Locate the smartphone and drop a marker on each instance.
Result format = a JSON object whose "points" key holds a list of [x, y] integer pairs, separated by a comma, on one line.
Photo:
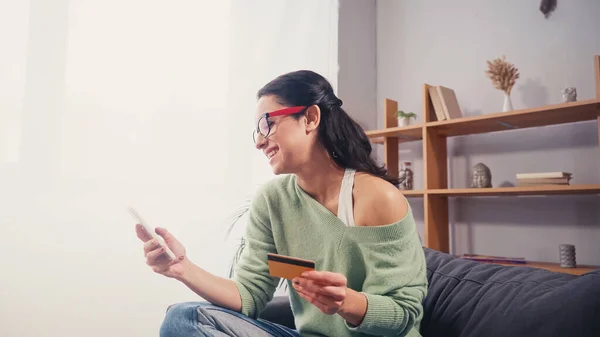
{"points": [[151, 232], [288, 267]]}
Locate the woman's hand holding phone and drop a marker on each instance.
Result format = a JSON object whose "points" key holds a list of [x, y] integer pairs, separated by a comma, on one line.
{"points": [[155, 253], [167, 256]]}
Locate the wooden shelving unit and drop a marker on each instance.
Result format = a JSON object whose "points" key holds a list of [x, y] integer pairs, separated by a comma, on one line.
{"points": [[555, 267], [519, 190], [434, 135]]}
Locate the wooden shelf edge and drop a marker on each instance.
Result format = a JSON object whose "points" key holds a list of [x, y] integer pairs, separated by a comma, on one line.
{"points": [[400, 140], [413, 193], [519, 190], [390, 131], [553, 267], [402, 133]]}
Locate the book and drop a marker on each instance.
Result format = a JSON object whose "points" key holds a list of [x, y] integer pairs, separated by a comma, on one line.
{"points": [[543, 175], [543, 181], [449, 102], [495, 259], [437, 103]]}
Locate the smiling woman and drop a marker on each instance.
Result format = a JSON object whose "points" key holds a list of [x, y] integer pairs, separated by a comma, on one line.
{"points": [[333, 205]]}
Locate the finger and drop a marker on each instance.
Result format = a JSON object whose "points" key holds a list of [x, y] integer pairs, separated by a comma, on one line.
{"points": [[161, 268], [158, 266], [177, 260], [329, 297], [155, 256], [141, 233], [326, 277], [307, 285], [337, 293], [317, 303], [166, 235], [151, 245], [334, 293]]}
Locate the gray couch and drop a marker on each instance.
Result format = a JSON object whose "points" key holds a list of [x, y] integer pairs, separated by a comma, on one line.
{"points": [[467, 298]]}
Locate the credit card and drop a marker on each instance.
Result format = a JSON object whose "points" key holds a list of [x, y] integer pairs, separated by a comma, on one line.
{"points": [[288, 267]]}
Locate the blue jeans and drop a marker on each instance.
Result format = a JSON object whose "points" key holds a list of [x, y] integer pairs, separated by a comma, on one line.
{"points": [[195, 319]]}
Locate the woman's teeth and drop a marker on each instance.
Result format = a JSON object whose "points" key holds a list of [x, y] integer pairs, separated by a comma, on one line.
{"points": [[272, 153]]}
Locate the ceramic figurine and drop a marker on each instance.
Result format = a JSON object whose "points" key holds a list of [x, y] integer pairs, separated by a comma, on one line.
{"points": [[482, 176], [406, 177], [569, 94]]}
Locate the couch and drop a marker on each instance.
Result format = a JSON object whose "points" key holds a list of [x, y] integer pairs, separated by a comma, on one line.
{"points": [[468, 298]]}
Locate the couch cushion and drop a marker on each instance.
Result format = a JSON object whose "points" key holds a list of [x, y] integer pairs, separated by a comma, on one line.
{"points": [[468, 298], [278, 311]]}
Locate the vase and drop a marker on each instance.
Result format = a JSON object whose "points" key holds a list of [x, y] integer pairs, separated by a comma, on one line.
{"points": [[403, 121], [567, 256], [507, 103]]}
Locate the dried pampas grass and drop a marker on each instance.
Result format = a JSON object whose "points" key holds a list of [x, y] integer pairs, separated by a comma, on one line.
{"points": [[503, 74]]}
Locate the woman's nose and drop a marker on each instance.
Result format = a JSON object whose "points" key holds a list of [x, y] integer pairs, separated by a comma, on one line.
{"points": [[260, 142]]}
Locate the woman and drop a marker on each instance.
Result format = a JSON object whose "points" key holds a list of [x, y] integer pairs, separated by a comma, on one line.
{"points": [[334, 205]]}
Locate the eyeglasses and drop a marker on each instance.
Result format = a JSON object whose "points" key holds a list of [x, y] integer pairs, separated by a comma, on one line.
{"points": [[263, 126]]}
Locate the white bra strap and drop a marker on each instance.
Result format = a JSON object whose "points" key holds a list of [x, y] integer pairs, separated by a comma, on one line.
{"points": [[345, 204]]}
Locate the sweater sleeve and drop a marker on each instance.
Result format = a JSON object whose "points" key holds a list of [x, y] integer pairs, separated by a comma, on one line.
{"points": [[252, 278], [395, 283]]}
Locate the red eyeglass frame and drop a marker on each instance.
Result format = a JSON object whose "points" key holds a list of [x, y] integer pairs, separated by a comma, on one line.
{"points": [[284, 111], [280, 112]]}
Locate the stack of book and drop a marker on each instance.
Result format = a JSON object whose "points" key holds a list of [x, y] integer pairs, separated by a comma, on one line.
{"points": [[493, 259], [445, 104], [543, 178]]}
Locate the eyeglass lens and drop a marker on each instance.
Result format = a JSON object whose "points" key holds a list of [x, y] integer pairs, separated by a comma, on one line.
{"points": [[263, 128]]}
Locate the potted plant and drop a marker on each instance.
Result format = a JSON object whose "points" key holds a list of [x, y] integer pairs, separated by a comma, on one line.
{"points": [[238, 217], [404, 117]]}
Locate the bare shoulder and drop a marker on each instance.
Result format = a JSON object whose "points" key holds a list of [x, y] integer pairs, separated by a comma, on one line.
{"points": [[377, 202]]}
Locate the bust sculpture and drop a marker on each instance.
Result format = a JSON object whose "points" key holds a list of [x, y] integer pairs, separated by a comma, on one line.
{"points": [[569, 94], [482, 176]]}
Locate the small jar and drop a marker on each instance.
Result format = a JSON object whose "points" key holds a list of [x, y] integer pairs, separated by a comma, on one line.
{"points": [[567, 256]]}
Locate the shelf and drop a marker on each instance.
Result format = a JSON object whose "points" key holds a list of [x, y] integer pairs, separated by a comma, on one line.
{"points": [[519, 190], [413, 193], [403, 133], [553, 267], [434, 135], [520, 119]]}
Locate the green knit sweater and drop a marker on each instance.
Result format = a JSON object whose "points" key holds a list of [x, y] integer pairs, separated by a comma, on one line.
{"points": [[386, 263]]}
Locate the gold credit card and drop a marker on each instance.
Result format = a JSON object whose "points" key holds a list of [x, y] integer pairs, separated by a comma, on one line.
{"points": [[288, 267]]}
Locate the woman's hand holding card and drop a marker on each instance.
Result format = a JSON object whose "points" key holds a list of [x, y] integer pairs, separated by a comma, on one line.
{"points": [[329, 292], [325, 290]]}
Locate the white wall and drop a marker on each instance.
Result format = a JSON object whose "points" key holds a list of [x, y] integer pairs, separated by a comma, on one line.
{"points": [[107, 104], [447, 43], [357, 76]]}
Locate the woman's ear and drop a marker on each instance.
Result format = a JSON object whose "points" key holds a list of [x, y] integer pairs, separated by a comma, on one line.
{"points": [[313, 118]]}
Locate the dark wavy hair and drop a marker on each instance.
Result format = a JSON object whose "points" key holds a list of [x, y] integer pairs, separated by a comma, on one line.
{"points": [[343, 138]]}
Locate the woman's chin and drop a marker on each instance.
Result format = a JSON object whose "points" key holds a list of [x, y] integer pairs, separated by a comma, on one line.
{"points": [[274, 165], [278, 168]]}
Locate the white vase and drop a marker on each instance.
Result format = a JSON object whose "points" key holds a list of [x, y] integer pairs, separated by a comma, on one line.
{"points": [[403, 121], [507, 103]]}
